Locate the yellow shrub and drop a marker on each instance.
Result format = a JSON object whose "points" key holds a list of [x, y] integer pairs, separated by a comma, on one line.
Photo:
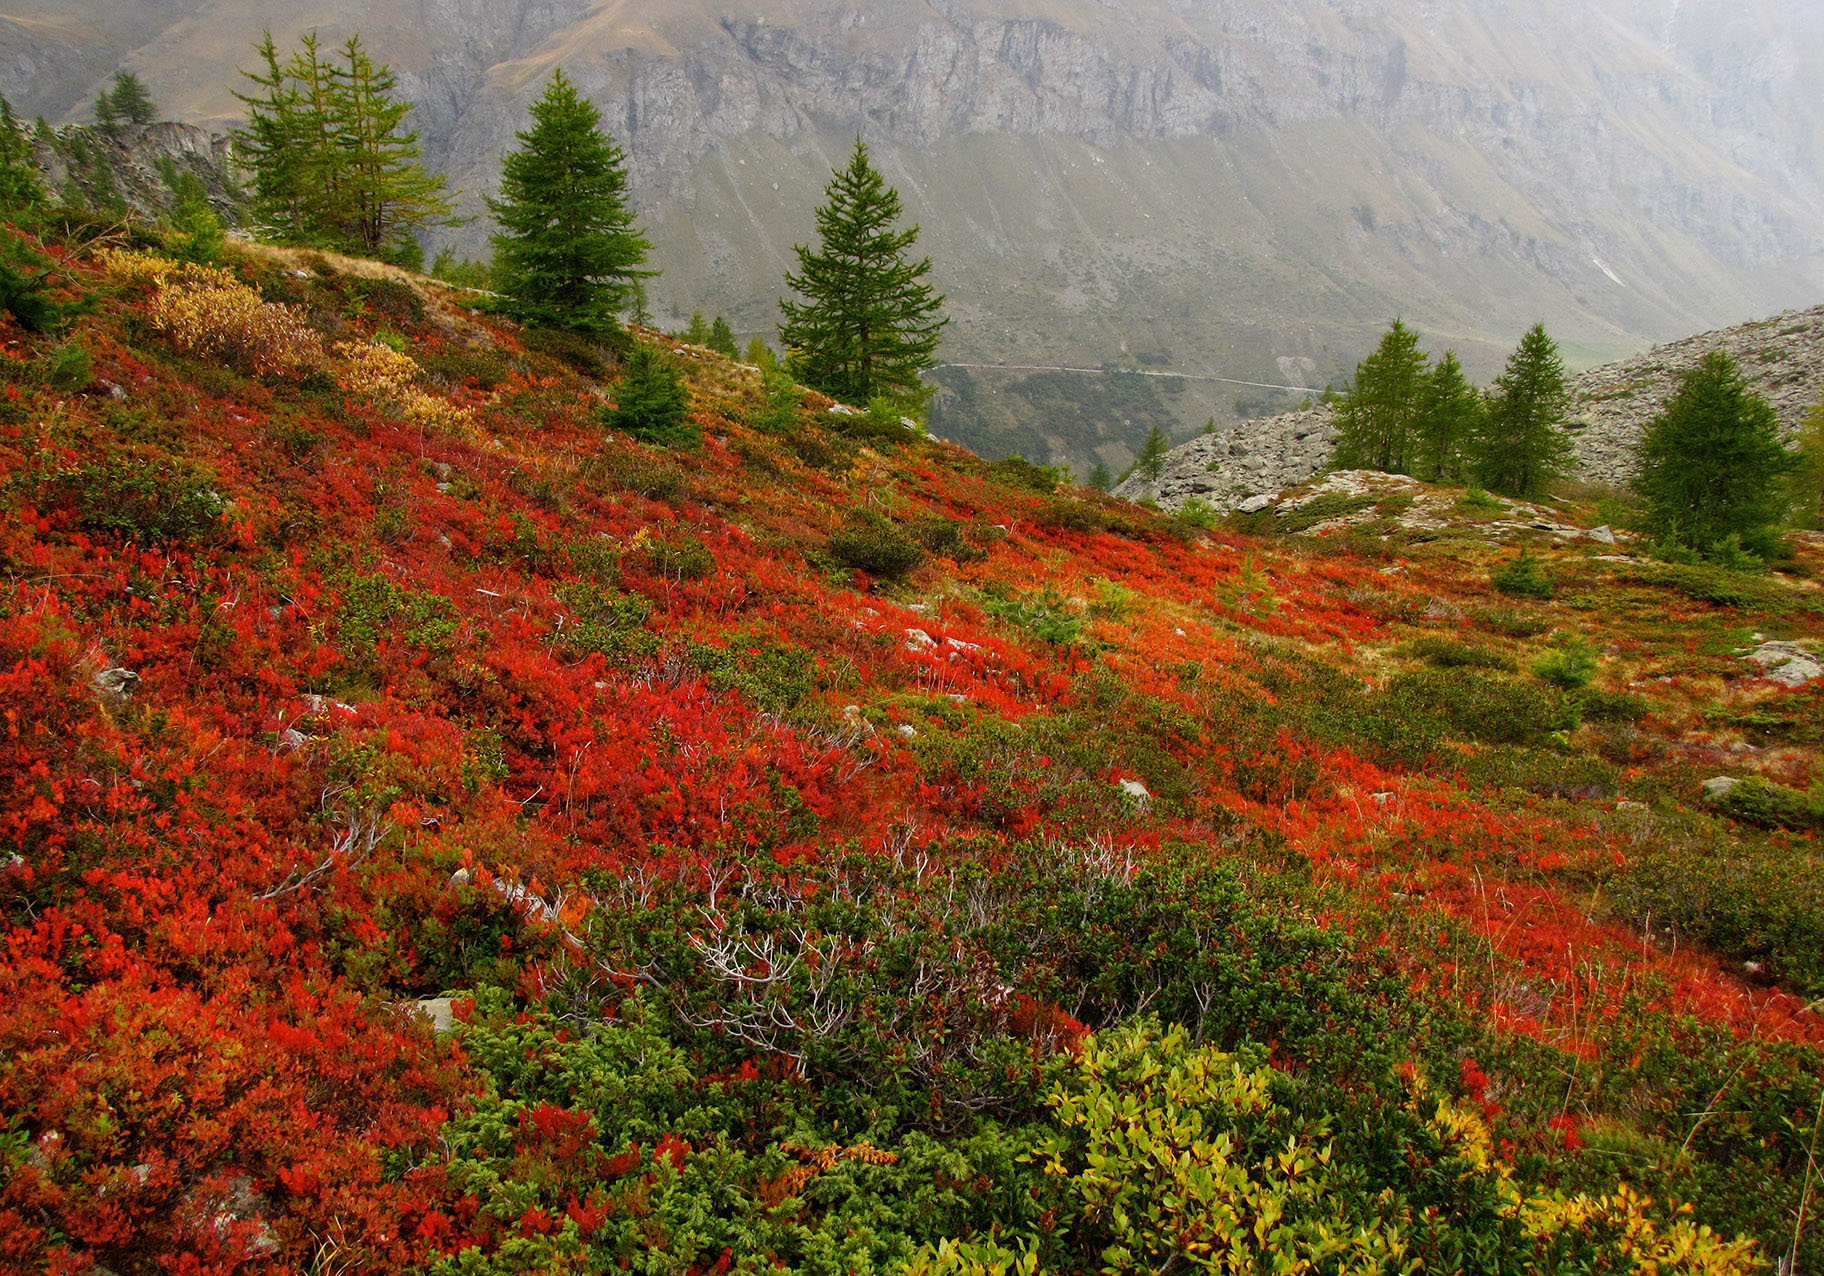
{"points": [[390, 378], [209, 313]]}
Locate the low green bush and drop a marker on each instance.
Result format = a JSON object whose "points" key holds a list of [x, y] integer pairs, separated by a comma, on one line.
{"points": [[1447, 653], [1488, 708], [1522, 577], [873, 544], [137, 500], [1769, 805]]}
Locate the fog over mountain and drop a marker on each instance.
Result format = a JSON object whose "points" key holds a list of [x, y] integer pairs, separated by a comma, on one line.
{"points": [[1248, 188]]}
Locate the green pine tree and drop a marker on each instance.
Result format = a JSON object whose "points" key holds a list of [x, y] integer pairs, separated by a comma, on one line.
{"points": [[1377, 421], [131, 101], [1150, 464], [1099, 478], [1523, 445], [568, 254], [200, 237], [698, 331], [1806, 485], [1449, 421], [287, 142], [870, 323], [652, 402], [107, 115], [1712, 465], [722, 338], [21, 189]]}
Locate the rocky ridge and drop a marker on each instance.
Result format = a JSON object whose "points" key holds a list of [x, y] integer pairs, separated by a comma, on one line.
{"points": [[1782, 358]]}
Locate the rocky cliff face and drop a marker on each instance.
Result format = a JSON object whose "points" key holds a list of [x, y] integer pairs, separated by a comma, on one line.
{"points": [[1781, 358], [1221, 186]]}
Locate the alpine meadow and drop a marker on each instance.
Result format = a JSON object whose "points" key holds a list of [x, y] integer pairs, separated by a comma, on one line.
{"points": [[960, 640]]}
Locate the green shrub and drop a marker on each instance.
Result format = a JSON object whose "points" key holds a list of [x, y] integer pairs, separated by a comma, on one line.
{"points": [[772, 674], [1768, 805], [1569, 665], [1488, 708], [1512, 622], [946, 538], [1596, 705], [1447, 653], [1523, 577], [873, 544], [1044, 615], [686, 558], [1019, 472], [375, 608], [138, 500], [1740, 591]]}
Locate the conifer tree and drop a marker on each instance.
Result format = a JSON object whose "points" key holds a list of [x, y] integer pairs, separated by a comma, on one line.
{"points": [[652, 403], [1523, 444], [107, 115], [1150, 464], [568, 254], [332, 164], [697, 333], [722, 338], [1377, 420], [1449, 421], [1806, 485], [20, 187], [130, 100], [1712, 465], [870, 324]]}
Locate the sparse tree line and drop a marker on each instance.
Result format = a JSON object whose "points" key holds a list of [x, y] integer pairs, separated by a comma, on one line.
{"points": [[1715, 481]]}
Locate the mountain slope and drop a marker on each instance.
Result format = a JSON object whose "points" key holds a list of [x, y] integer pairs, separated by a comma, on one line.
{"points": [[441, 834], [1237, 189]]}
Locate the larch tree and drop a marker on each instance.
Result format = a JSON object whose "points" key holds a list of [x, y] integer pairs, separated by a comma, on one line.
{"points": [[1712, 465], [333, 166], [1451, 412], [568, 254], [1377, 419], [1524, 445], [130, 100], [20, 186], [870, 322]]}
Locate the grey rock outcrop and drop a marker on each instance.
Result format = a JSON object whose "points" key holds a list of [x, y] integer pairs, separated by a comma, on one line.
{"points": [[1787, 663]]}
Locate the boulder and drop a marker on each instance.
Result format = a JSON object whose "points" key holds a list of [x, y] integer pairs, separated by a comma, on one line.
{"points": [[1787, 663], [1719, 787]]}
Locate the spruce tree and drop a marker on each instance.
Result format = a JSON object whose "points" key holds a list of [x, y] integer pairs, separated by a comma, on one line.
{"points": [[1523, 445], [107, 115], [1449, 421], [870, 324], [568, 254], [1377, 420], [697, 333], [1712, 465]]}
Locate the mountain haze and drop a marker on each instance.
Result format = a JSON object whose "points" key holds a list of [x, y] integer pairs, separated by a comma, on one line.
{"points": [[1242, 189]]}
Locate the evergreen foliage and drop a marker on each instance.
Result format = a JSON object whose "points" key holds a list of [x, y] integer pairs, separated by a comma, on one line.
{"points": [[27, 282], [722, 338], [1523, 445], [1377, 422], [1806, 484], [128, 100], [333, 166], [1712, 465], [871, 323], [20, 187], [652, 403], [1099, 478], [199, 229], [1451, 414], [568, 255], [1150, 464], [107, 115]]}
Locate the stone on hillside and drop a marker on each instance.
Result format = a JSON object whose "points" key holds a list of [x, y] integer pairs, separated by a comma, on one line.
{"points": [[1719, 787], [1787, 663], [115, 683], [1255, 504], [441, 1011], [1605, 534]]}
